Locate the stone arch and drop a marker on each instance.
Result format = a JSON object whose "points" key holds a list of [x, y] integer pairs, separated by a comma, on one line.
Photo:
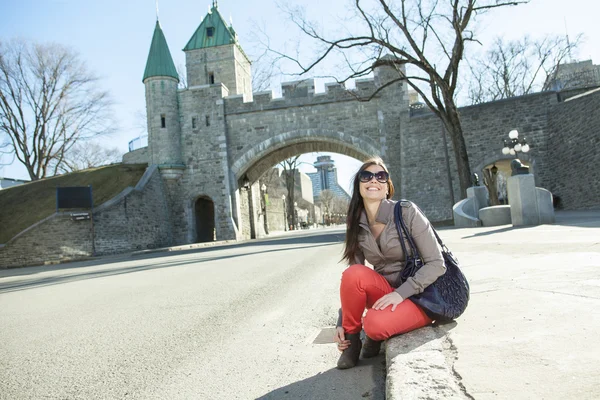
{"points": [[495, 156], [263, 156], [204, 219]]}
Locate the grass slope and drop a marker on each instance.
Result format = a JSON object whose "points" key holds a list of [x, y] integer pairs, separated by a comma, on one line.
{"points": [[24, 205]]}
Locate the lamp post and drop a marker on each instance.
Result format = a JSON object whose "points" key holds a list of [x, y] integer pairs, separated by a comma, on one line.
{"points": [[295, 216], [514, 145], [285, 221]]}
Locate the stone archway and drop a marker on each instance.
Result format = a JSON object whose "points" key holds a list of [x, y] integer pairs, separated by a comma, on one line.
{"points": [[253, 164], [204, 211]]}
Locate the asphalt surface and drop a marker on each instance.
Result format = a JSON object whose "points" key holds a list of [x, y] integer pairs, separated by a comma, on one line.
{"points": [[224, 322], [251, 320]]}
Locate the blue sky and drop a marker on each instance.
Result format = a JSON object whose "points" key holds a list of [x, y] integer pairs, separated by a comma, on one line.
{"points": [[113, 37]]}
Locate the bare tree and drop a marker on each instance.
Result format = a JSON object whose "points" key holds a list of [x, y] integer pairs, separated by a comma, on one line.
{"points": [[428, 36], [48, 102], [326, 198], [263, 72], [181, 72], [518, 67], [264, 67], [340, 205], [490, 180], [290, 166], [84, 155]]}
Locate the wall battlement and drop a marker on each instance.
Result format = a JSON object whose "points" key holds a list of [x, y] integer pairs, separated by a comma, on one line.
{"points": [[298, 94]]}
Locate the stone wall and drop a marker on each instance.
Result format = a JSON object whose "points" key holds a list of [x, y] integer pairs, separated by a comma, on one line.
{"points": [[574, 144], [135, 219], [137, 156], [162, 106], [205, 155], [276, 220], [54, 239], [301, 122], [245, 213], [226, 63], [484, 127]]}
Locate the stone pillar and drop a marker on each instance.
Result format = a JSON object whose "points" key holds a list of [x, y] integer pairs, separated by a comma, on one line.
{"points": [[522, 198]]}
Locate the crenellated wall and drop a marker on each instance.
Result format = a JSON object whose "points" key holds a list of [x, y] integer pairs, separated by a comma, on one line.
{"points": [[229, 141]]}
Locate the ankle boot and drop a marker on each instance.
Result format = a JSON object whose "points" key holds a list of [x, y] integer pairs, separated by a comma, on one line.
{"points": [[349, 357], [370, 347]]}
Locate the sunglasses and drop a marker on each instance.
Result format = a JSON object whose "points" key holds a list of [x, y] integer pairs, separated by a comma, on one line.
{"points": [[366, 176]]}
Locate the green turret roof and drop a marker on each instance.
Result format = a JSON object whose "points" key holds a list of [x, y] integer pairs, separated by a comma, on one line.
{"points": [[159, 61], [220, 34]]}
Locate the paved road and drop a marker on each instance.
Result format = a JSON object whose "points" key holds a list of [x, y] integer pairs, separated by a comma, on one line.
{"points": [[229, 322]]}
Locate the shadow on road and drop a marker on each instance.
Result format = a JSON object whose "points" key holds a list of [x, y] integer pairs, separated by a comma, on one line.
{"points": [[365, 381], [312, 239], [204, 255]]}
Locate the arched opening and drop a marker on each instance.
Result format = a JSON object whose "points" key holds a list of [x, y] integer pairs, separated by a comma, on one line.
{"points": [[495, 176], [205, 220], [302, 191]]}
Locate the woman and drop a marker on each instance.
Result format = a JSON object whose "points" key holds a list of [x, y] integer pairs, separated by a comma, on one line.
{"points": [[372, 235]]}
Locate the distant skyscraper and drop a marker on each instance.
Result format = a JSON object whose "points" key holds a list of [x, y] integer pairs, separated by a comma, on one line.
{"points": [[326, 179]]}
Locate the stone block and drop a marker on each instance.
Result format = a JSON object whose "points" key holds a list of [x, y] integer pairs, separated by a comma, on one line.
{"points": [[480, 198], [522, 197], [545, 206], [463, 214], [495, 215]]}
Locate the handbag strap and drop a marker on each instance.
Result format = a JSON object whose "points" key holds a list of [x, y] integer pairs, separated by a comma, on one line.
{"points": [[439, 240], [401, 226]]}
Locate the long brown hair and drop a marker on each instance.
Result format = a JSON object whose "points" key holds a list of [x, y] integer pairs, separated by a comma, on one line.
{"points": [[356, 208]]}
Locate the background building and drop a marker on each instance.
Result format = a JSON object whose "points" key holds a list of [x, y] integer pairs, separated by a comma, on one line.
{"points": [[8, 182], [326, 178], [583, 74]]}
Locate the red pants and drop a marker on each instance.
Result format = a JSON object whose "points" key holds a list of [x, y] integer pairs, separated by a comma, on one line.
{"points": [[361, 287]]}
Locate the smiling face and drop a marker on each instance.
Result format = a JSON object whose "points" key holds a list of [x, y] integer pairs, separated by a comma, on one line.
{"points": [[373, 190]]}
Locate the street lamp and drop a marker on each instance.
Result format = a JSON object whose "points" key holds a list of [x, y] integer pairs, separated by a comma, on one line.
{"points": [[513, 145], [295, 216], [263, 203]]}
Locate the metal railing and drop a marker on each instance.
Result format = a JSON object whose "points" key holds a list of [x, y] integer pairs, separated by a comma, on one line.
{"points": [[138, 142]]}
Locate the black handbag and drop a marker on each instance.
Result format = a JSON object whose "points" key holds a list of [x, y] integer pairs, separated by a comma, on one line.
{"points": [[446, 298]]}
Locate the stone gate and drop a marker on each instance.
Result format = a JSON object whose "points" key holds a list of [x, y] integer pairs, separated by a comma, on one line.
{"points": [[214, 139]]}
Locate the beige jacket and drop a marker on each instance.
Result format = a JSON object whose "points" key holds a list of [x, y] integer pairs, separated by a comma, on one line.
{"points": [[388, 258]]}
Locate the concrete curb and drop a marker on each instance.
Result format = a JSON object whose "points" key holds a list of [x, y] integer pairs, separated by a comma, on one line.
{"points": [[420, 365], [184, 247], [273, 235]]}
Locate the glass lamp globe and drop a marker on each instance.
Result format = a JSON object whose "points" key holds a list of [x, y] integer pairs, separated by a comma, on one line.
{"points": [[518, 147], [512, 152], [513, 134], [525, 148], [505, 151]]}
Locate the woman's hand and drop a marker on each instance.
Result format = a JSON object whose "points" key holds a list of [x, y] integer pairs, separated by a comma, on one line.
{"points": [[392, 299], [340, 339]]}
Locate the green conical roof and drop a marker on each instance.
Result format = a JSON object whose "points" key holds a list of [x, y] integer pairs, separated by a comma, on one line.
{"points": [[221, 33], [159, 61]]}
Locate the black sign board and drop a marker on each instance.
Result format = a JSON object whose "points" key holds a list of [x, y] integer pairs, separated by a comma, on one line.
{"points": [[74, 197]]}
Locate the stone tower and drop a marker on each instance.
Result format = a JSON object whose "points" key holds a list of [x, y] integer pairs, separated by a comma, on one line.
{"points": [[162, 105], [214, 55]]}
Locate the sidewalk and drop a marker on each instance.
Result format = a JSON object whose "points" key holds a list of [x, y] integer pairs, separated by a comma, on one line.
{"points": [[532, 327]]}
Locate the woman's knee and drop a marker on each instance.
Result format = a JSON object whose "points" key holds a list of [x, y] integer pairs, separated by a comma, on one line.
{"points": [[374, 325], [355, 272]]}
